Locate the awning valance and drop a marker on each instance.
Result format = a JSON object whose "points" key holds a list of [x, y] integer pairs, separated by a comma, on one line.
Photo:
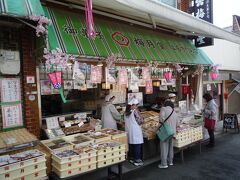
{"points": [[21, 8], [67, 32]]}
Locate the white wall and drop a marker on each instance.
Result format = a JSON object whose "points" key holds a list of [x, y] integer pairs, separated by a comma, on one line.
{"points": [[225, 53]]}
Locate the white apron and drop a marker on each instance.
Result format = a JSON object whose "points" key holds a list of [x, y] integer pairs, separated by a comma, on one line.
{"points": [[135, 135]]}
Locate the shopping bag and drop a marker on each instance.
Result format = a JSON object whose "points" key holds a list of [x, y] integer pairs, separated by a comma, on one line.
{"points": [[165, 132], [209, 123]]}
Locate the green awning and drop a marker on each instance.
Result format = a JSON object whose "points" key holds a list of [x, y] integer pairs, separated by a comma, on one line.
{"points": [[21, 8], [131, 42]]}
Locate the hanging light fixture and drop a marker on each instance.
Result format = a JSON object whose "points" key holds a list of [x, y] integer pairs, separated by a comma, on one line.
{"points": [[105, 85], [156, 83], [99, 64]]}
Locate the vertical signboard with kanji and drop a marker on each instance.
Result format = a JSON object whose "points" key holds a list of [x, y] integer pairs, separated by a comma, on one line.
{"points": [[203, 9], [11, 106]]}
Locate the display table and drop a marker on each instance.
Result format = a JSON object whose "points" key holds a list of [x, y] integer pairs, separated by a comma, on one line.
{"points": [[181, 149], [53, 176]]}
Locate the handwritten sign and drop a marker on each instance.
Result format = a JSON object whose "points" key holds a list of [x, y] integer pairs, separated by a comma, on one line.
{"points": [[10, 89], [12, 116], [149, 87], [52, 123], [230, 121]]}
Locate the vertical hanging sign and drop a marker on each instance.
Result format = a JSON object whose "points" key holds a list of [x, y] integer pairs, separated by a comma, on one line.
{"points": [[203, 9], [149, 87]]}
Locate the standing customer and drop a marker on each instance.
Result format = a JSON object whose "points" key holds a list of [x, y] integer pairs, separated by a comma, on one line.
{"points": [[210, 117], [109, 113], [133, 119], [167, 146]]}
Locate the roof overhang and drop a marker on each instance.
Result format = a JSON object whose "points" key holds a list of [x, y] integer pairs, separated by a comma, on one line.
{"points": [[159, 14]]}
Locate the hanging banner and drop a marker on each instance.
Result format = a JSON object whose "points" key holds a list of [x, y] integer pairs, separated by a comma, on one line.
{"points": [[135, 76], [149, 87], [79, 70], [111, 75], [146, 73], [122, 77], [10, 90], [96, 74], [203, 9], [12, 116]]}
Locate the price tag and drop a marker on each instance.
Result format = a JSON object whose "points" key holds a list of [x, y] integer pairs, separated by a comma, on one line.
{"points": [[52, 123], [80, 124], [80, 115], [67, 124], [61, 118]]}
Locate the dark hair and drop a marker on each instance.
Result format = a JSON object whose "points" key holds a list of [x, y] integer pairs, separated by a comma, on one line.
{"points": [[128, 110], [208, 97], [168, 103]]}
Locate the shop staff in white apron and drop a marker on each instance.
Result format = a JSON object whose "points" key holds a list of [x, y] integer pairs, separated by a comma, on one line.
{"points": [[167, 146], [109, 113], [133, 119]]}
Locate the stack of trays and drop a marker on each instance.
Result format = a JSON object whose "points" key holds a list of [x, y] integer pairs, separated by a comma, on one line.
{"points": [[71, 162], [25, 165], [110, 153], [118, 136]]}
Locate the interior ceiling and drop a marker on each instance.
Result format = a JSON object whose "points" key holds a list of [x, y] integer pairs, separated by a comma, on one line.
{"points": [[114, 7]]}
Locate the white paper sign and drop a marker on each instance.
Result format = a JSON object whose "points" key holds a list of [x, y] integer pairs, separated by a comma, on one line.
{"points": [[80, 115], [67, 124], [80, 124], [10, 89], [12, 116], [164, 82], [52, 123], [209, 88]]}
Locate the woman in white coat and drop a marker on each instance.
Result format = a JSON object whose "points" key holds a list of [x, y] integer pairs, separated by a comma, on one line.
{"points": [[133, 119], [167, 146], [109, 113]]}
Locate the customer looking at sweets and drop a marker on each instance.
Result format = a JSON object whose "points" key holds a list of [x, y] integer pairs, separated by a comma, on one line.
{"points": [[210, 117], [109, 113], [167, 112], [133, 119]]}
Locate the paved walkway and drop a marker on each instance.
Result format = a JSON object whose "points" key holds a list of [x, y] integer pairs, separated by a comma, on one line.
{"points": [[219, 163]]}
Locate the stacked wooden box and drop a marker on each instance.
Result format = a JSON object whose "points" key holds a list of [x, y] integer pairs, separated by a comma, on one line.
{"points": [[25, 165], [71, 162], [110, 153], [117, 136]]}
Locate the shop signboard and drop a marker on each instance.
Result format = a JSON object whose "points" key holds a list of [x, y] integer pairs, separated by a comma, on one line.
{"points": [[203, 9]]}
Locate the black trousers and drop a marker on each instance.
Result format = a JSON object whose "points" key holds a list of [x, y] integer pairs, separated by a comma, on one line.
{"points": [[211, 135]]}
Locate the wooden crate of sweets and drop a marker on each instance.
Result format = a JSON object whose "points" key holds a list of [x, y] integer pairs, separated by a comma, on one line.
{"points": [[98, 136], [57, 144], [117, 135], [78, 140]]}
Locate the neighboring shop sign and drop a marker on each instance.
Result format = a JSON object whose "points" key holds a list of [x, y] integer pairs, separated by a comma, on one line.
{"points": [[203, 9]]}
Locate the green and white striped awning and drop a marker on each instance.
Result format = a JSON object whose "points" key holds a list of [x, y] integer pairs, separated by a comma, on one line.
{"points": [[21, 8], [131, 42]]}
